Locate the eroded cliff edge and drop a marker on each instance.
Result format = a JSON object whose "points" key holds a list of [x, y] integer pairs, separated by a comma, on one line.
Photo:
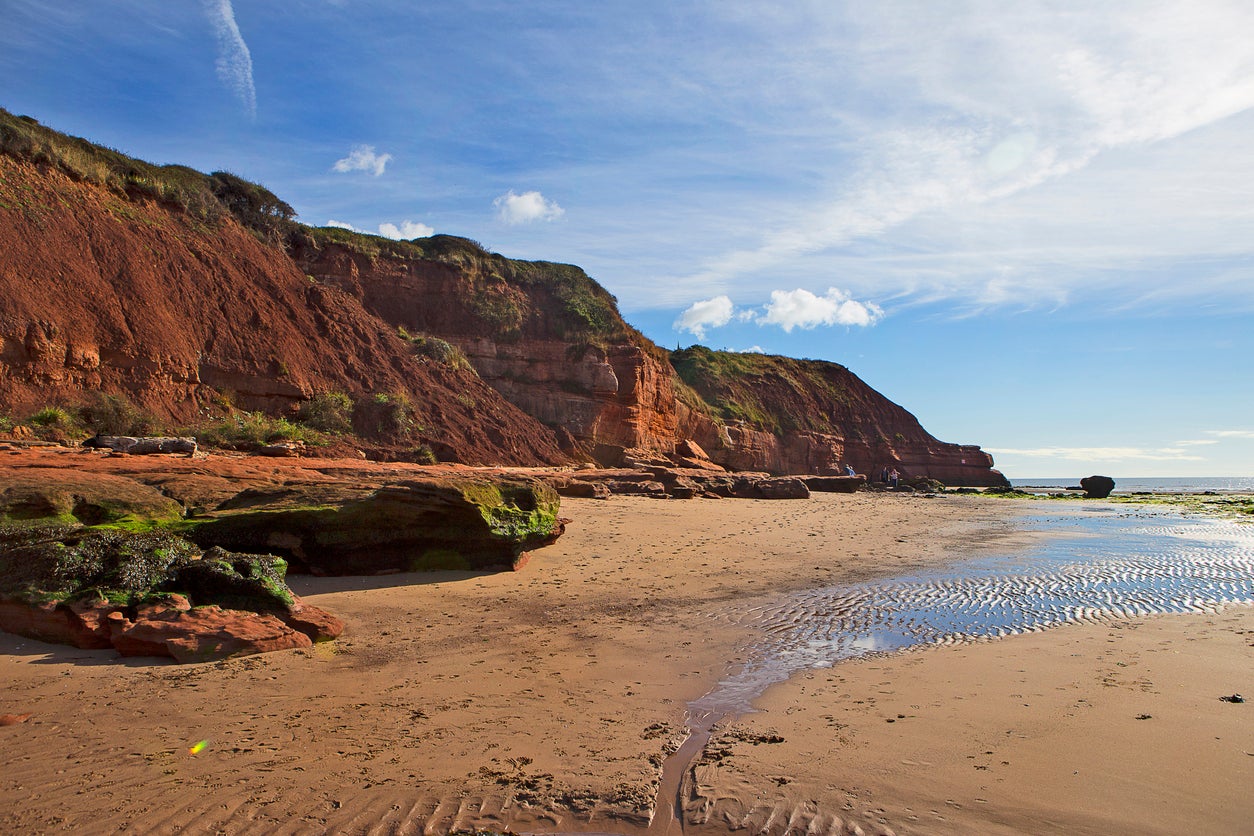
{"points": [[183, 291]]}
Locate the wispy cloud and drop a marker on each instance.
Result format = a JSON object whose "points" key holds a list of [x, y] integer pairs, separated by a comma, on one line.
{"points": [[363, 158], [1099, 454], [235, 63], [1005, 154], [527, 207], [1231, 433]]}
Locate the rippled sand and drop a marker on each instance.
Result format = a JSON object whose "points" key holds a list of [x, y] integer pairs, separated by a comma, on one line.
{"points": [[548, 699]]}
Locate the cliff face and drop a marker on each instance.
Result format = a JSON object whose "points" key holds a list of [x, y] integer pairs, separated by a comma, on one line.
{"points": [[180, 289], [101, 292], [544, 335], [552, 342], [808, 416]]}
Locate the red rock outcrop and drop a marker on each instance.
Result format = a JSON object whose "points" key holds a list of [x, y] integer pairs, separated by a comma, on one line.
{"points": [[117, 289], [104, 292], [544, 335]]}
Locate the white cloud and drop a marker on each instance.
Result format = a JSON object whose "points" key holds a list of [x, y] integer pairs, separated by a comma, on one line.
{"points": [[709, 313], [407, 230], [235, 63], [753, 349], [802, 309], [1231, 433], [527, 207], [363, 158], [1196, 442], [1093, 454]]}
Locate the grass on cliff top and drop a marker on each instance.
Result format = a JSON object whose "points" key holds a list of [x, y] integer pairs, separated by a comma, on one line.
{"points": [[208, 197], [501, 292], [745, 386]]}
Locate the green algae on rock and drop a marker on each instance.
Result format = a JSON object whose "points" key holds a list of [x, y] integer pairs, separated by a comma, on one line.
{"points": [[45, 494], [149, 593], [412, 525]]}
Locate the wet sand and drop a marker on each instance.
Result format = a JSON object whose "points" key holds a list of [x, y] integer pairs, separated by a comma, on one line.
{"points": [[547, 699]]}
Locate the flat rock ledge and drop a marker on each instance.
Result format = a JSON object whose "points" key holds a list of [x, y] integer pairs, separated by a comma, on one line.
{"points": [[666, 482], [186, 558]]}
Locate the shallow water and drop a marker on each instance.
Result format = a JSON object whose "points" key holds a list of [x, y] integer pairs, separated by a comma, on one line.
{"points": [[1089, 567], [1092, 565]]}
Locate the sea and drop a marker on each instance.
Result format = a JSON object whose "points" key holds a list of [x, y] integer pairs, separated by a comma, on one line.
{"points": [[1144, 484]]}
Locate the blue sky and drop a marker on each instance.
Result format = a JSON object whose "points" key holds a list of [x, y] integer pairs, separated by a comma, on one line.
{"points": [[1028, 223]]}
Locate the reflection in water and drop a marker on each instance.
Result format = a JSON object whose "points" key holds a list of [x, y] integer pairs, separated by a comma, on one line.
{"points": [[1093, 568], [1103, 567]]}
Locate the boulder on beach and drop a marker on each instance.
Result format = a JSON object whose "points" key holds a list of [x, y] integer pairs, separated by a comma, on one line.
{"points": [[134, 591], [835, 484], [1097, 487], [411, 525]]}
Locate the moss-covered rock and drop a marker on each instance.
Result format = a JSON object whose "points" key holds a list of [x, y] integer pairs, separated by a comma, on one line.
{"points": [[253, 582], [45, 494], [102, 587], [414, 525], [61, 562]]}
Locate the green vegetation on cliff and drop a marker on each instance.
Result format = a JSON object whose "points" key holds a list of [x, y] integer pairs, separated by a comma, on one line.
{"points": [[208, 197], [767, 392], [510, 297]]}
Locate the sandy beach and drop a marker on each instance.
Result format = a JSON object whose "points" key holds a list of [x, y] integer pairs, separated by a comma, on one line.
{"points": [[547, 700]]}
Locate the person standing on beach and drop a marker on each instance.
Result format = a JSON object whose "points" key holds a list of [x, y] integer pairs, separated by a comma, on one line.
{"points": [[893, 477]]}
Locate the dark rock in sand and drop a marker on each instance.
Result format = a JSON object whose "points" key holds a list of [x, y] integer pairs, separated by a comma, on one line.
{"points": [[581, 489], [835, 484], [1097, 487], [410, 525], [780, 487]]}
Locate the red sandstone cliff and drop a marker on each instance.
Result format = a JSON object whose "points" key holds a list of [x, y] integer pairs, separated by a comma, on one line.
{"points": [[101, 292], [810, 416], [177, 288], [544, 335]]}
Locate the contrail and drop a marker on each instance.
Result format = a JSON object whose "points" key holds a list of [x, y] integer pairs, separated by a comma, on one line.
{"points": [[235, 64]]}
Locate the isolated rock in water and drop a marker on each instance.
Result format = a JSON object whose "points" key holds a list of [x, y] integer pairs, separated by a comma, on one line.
{"points": [[413, 525], [1097, 487]]}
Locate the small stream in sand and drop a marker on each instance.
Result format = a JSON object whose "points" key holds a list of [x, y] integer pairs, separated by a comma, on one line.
{"points": [[1096, 566]]}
